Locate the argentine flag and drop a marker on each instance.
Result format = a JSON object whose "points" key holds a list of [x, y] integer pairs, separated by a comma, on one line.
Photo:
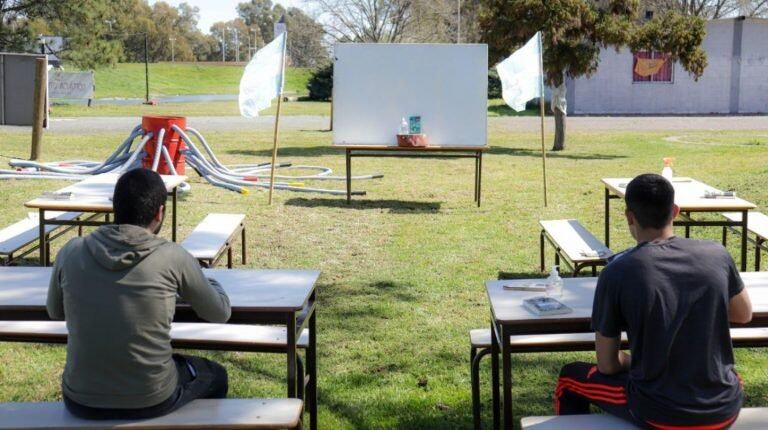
{"points": [[521, 75], [263, 78]]}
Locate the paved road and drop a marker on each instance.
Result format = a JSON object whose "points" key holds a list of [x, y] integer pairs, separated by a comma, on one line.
{"points": [[216, 124]]}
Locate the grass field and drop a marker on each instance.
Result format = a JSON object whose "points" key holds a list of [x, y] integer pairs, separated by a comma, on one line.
{"points": [[496, 107], [403, 268], [169, 79]]}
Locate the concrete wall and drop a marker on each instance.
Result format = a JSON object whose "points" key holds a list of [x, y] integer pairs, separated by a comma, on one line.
{"points": [[727, 85]]}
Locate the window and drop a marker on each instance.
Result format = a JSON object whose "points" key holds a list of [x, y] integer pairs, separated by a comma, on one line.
{"points": [[651, 66]]}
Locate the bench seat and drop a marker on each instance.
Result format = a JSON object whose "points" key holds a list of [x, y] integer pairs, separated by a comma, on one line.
{"points": [[480, 340], [574, 243], [258, 414], [183, 335], [749, 419], [757, 224], [26, 231], [214, 236]]}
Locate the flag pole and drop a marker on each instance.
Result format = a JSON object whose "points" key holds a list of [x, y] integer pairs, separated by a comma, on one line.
{"points": [[277, 125], [541, 105]]}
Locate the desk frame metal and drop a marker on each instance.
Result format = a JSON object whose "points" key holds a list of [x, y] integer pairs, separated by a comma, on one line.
{"points": [[384, 151], [89, 222], [685, 220]]}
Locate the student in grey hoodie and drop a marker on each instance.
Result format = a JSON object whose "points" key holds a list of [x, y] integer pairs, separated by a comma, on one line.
{"points": [[117, 289]]}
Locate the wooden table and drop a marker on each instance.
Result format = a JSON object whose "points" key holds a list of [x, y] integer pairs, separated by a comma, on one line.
{"points": [[510, 318], [475, 152], [92, 195], [689, 196], [275, 297]]}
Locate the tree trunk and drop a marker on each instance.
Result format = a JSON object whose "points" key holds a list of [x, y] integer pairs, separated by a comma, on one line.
{"points": [[559, 130]]}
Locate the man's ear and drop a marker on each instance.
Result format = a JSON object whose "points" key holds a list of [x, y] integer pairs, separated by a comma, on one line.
{"points": [[675, 211], [160, 213], [630, 216]]}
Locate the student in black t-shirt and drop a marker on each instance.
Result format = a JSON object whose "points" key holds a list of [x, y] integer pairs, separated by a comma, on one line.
{"points": [[674, 297]]}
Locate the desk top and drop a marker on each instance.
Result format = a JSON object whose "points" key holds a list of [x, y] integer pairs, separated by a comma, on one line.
{"points": [[578, 294], [26, 288], [689, 195], [93, 194], [415, 148]]}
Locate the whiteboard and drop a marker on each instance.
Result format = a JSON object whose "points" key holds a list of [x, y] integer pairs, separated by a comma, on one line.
{"points": [[376, 85]]}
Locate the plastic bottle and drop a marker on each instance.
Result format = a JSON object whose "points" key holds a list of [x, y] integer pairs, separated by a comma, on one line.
{"points": [[554, 283], [404, 127], [667, 170]]}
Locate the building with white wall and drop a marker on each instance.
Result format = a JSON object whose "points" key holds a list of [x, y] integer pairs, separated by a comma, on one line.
{"points": [[734, 82]]}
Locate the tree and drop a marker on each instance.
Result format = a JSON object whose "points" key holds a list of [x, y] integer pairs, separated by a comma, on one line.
{"points": [[80, 22], [385, 21], [574, 32], [305, 40], [709, 9]]}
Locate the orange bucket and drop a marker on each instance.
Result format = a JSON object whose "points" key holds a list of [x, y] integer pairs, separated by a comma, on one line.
{"points": [[172, 142]]}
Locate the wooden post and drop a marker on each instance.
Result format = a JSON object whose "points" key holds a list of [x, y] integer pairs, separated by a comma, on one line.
{"points": [[38, 114], [274, 148], [541, 105]]}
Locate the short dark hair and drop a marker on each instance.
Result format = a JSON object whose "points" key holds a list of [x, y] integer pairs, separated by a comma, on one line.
{"points": [[651, 198], [139, 193]]}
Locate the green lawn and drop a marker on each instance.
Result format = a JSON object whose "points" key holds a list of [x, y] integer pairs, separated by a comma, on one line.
{"points": [[169, 79], [403, 268], [496, 107]]}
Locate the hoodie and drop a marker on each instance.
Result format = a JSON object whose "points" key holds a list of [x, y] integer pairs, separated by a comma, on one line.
{"points": [[117, 290]]}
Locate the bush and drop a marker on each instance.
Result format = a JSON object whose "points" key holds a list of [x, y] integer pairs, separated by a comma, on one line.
{"points": [[320, 84], [494, 85]]}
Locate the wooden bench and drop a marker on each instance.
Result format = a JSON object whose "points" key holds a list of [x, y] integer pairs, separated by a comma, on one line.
{"points": [[26, 232], [258, 414], [574, 244], [480, 346], [214, 236], [757, 224], [205, 336], [749, 419]]}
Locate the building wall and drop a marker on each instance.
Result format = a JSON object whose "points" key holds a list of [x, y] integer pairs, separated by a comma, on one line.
{"points": [[611, 90]]}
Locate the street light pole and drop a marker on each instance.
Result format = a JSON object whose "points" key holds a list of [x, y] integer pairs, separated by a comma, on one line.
{"points": [[173, 56], [458, 30], [237, 46], [224, 45], [146, 66]]}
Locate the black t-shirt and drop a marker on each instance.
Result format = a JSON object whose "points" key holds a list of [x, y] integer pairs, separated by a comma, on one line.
{"points": [[672, 297]]}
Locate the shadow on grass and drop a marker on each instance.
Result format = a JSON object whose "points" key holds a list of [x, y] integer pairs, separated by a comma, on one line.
{"points": [[291, 151], [520, 275], [520, 152], [394, 206]]}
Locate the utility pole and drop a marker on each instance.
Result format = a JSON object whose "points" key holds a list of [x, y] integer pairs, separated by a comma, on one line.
{"points": [[146, 65], [458, 30], [173, 57], [224, 45], [237, 46]]}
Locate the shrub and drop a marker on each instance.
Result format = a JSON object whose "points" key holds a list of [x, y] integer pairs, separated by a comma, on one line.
{"points": [[494, 85], [320, 84]]}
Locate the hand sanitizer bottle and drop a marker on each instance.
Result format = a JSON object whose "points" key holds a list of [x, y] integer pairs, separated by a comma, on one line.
{"points": [[554, 283], [404, 128], [666, 172]]}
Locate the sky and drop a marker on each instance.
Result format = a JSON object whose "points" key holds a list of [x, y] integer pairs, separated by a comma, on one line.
{"points": [[212, 11]]}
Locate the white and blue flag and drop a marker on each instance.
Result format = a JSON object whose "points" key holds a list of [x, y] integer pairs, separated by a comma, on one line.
{"points": [[521, 75], [263, 78]]}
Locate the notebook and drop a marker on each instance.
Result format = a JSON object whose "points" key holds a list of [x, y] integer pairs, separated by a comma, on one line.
{"points": [[545, 306]]}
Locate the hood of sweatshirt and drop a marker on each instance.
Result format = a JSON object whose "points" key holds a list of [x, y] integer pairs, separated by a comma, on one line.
{"points": [[118, 247]]}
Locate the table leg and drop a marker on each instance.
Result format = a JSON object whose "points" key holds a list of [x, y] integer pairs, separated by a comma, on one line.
{"points": [[290, 327], [311, 396], [242, 244], [607, 218], [758, 244], [43, 246], [479, 177], [477, 168], [349, 176], [173, 227], [506, 366], [687, 227], [495, 377], [744, 232]]}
